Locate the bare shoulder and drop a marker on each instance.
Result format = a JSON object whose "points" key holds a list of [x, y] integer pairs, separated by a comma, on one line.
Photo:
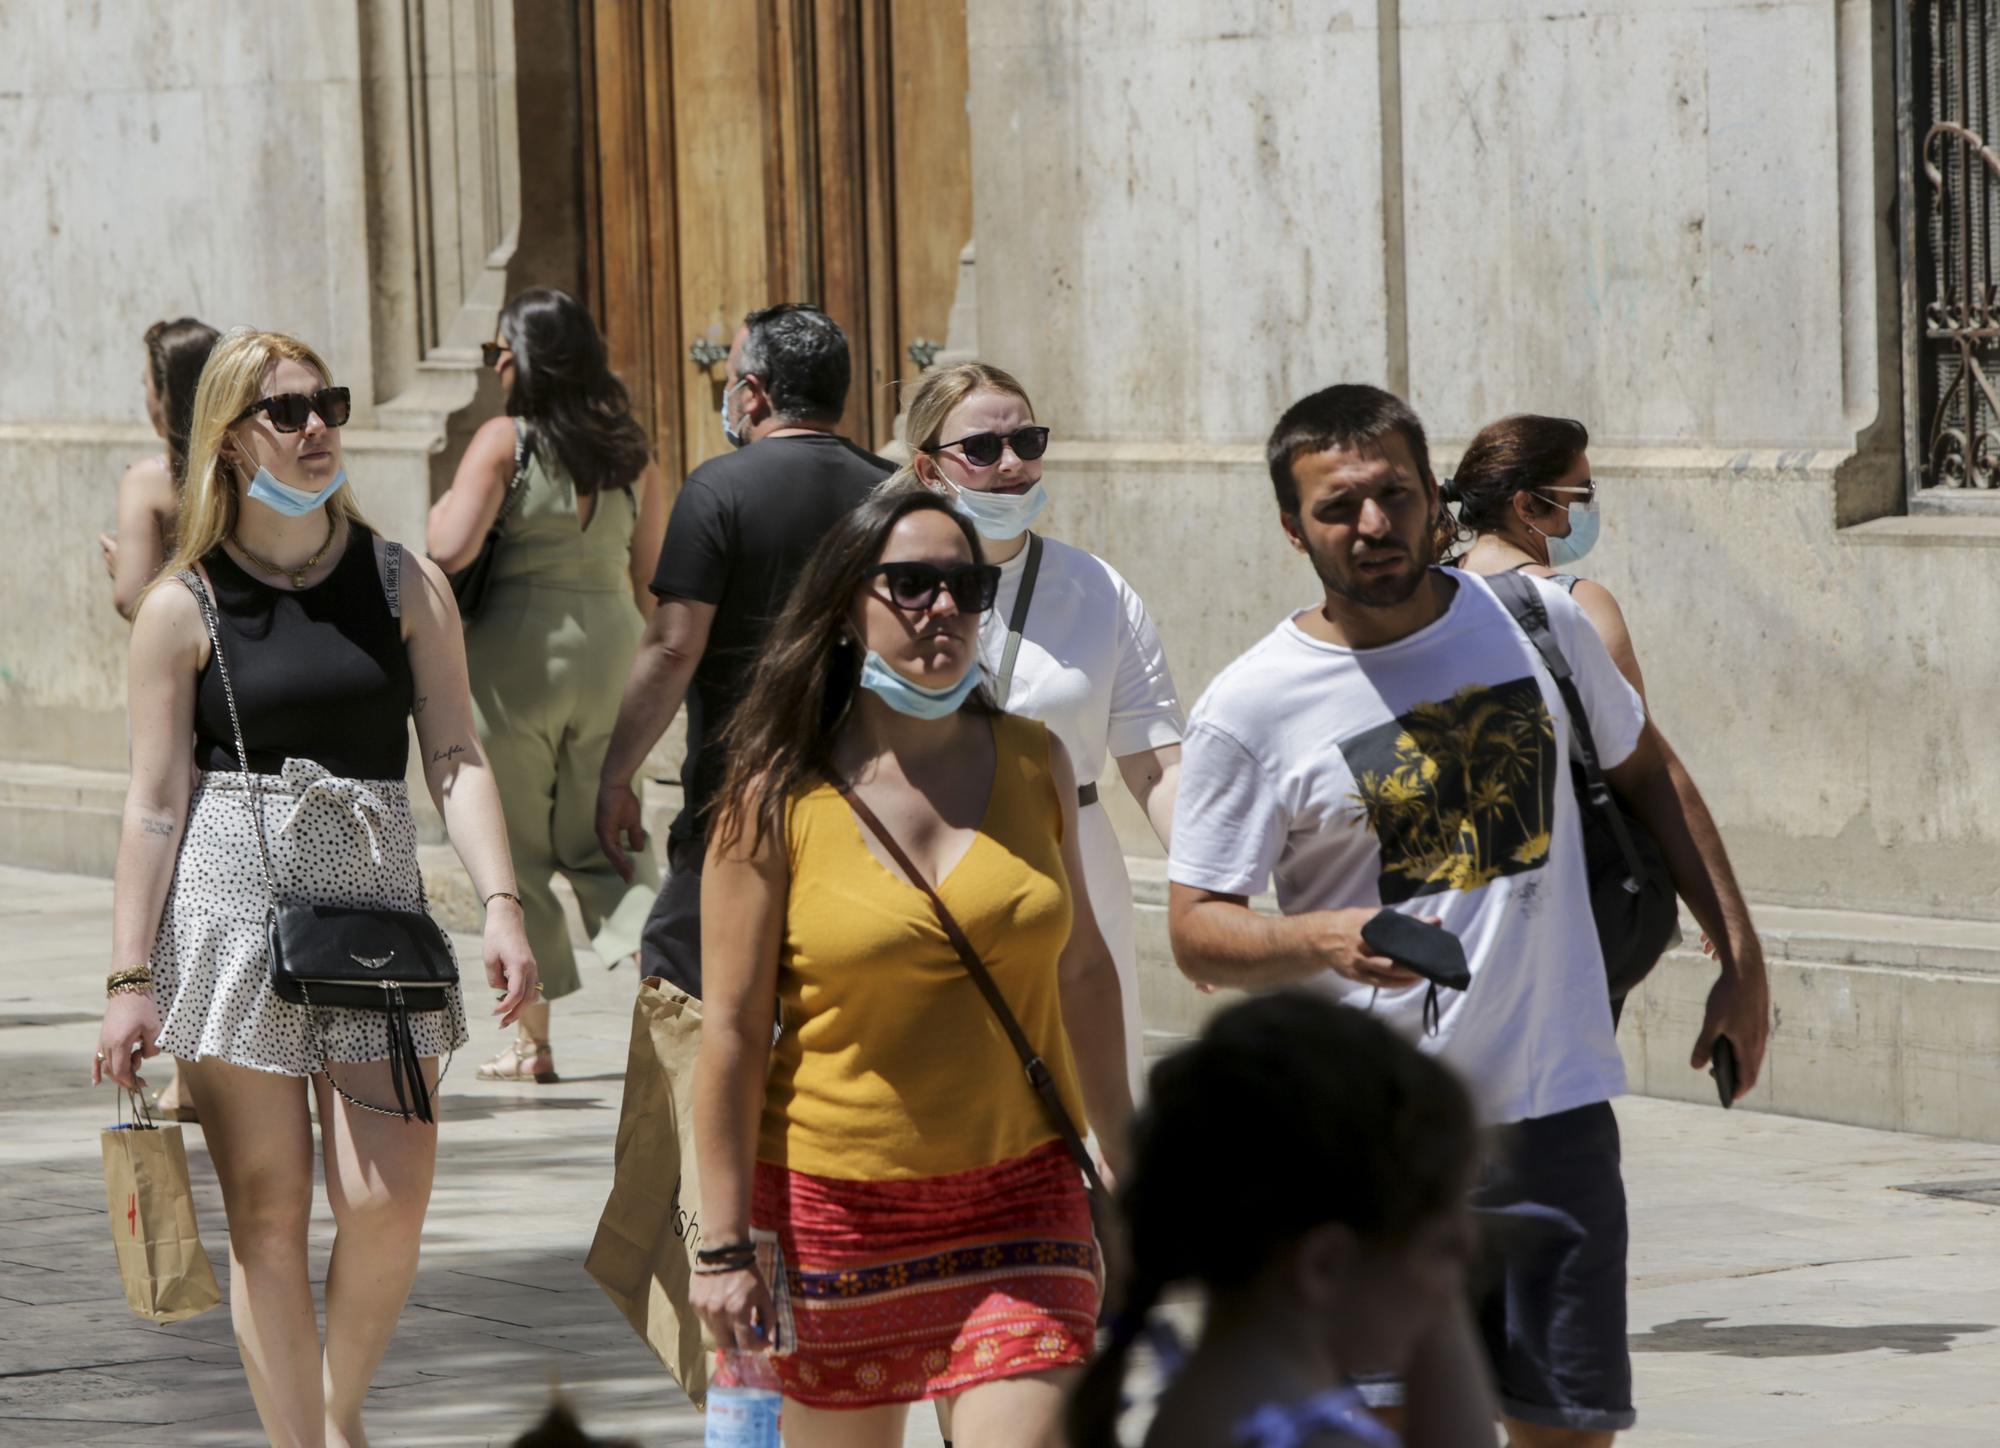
{"points": [[169, 621], [496, 434], [151, 481], [1597, 601]]}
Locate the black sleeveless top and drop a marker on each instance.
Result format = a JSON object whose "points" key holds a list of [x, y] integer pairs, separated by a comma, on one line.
{"points": [[321, 673]]}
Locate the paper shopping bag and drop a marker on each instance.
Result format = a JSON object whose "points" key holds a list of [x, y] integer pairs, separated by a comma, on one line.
{"points": [[643, 1254], [167, 1276]]}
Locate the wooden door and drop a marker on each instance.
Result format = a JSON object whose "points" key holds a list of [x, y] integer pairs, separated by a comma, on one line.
{"points": [[758, 151]]}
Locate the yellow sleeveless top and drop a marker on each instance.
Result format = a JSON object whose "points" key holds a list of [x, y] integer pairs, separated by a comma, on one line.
{"points": [[891, 1064]]}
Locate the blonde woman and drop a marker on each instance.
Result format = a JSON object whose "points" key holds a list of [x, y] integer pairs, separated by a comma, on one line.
{"points": [[1087, 662], [333, 638]]}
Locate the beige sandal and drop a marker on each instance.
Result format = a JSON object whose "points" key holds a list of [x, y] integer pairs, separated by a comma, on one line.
{"points": [[522, 1061]]}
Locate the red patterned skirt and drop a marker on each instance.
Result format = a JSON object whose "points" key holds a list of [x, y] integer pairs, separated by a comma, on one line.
{"points": [[904, 1290]]}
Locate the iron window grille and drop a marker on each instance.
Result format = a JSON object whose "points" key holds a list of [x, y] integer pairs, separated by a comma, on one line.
{"points": [[1948, 63]]}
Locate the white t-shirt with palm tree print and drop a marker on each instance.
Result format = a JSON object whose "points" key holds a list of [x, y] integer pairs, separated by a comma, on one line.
{"points": [[1430, 776]]}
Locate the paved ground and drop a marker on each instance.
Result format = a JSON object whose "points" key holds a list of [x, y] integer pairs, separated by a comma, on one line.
{"points": [[1787, 1289]]}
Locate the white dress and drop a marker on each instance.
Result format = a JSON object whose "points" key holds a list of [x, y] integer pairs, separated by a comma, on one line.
{"points": [[1090, 666]]}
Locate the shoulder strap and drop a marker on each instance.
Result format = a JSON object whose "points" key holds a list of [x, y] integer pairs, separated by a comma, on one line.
{"points": [[1017, 621], [1039, 1075], [392, 577], [1517, 592]]}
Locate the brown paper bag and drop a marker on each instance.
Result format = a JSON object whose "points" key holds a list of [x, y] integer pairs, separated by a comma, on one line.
{"points": [[167, 1276], [643, 1254]]}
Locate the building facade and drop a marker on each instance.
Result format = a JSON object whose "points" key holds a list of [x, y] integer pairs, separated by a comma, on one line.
{"points": [[1745, 243]]}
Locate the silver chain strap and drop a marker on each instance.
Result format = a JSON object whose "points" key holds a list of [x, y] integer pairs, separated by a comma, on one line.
{"points": [[253, 792]]}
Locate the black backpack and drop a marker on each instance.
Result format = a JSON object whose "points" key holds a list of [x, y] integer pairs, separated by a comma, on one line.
{"points": [[1631, 891]]}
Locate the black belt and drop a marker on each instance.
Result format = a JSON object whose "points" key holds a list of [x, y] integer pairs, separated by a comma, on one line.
{"points": [[1086, 794]]}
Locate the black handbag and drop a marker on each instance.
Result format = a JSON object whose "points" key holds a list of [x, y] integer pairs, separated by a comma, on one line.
{"points": [[367, 958], [1631, 890], [470, 583]]}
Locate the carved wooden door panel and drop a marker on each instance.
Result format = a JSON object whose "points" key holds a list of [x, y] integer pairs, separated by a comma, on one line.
{"points": [[757, 151]]}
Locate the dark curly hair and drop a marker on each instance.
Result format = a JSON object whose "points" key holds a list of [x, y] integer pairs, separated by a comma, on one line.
{"points": [[1303, 1112]]}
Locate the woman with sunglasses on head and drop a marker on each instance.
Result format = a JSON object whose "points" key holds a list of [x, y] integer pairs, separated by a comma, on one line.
{"points": [[927, 1232], [271, 700], [1068, 642], [149, 493], [566, 602], [1528, 503]]}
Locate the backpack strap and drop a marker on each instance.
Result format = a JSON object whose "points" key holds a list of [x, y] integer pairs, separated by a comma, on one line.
{"points": [[1517, 593]]}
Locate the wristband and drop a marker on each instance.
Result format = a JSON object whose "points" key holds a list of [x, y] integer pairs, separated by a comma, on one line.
{"points": [[729, 1257], [501, 895]]}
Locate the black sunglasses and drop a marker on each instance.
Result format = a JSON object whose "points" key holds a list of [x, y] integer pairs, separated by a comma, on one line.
{"points": [[288, 411], [982, 449], [913, 587], [491, 352]]}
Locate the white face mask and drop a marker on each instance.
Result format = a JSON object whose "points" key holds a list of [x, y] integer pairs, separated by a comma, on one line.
{"points": [[736, 439], [999, 516]]}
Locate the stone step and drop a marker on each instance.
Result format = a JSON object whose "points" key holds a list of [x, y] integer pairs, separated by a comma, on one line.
{"points": [[57, 817]]}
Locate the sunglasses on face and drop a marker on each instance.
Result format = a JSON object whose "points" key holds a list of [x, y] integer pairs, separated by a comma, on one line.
{"points": [[1587, 488], [492, 352], [982, 449], [288, 411], [913, 587]]}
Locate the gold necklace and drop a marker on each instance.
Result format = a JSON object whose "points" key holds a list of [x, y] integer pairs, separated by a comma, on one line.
{"points": [[297, 575]]}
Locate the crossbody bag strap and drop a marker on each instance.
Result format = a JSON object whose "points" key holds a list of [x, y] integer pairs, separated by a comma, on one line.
{"points": [[197, 584], [1017, 621], [1039, 1076], [1518, 593], [518, 482]]}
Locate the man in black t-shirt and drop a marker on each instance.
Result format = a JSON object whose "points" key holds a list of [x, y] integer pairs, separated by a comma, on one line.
{"points": [[741, 530]]}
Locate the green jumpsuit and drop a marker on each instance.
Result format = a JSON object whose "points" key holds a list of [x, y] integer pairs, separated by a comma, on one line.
{"points": [[548, 654]]}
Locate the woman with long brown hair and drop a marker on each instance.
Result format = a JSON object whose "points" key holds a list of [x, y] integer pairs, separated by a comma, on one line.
{"points": [[149, 492], [271, 701], [566, 602], [922, 1231]]}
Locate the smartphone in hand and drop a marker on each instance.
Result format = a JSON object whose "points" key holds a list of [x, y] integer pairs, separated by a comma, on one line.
{"points": [[1722, 1066]]}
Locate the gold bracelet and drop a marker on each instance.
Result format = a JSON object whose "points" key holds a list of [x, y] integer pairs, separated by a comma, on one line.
{"points": [[130, 987], [139, 975], [501, 895]]}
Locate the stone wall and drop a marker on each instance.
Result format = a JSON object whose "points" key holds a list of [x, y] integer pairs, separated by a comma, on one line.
{"points": [[1670, 218]]}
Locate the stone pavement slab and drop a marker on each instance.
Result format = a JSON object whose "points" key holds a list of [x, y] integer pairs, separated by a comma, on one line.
{"points": [[1787, 1287]]}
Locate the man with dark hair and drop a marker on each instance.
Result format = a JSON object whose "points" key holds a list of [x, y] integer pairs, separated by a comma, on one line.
{"points": [[1402, 746], [742, 527]]}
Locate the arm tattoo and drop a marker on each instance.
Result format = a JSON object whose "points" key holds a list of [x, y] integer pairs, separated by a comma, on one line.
{"points": [[446, 756], [418, 707], [160, 825]]}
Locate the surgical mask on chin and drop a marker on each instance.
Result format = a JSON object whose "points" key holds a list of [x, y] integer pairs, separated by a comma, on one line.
{"points": [[1584, 521], [292, 502], [736, 439], [999, 516], [914, 699]]}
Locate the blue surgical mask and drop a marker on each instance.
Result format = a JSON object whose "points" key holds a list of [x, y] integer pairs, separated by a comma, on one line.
{"points": [[736, 439], [999, 516], [292, 502], [914, 699], [1584, 521]]}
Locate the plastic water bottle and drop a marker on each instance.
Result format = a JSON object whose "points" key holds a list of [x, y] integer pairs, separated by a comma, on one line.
{"points": [[743, 1403]]}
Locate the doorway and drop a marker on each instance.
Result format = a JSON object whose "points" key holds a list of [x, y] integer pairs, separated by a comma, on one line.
{"points": [[771, 150]]}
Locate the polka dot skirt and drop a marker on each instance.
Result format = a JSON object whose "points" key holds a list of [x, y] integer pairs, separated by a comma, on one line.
{"points": [[333, 842]]}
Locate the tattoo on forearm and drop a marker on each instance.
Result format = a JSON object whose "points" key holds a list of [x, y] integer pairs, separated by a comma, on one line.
{"points": [[418, 707], [446, 756], [160, 825]]}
